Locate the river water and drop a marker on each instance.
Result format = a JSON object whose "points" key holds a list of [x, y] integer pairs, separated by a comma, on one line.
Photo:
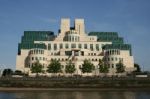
{"points": [[76, 95]]}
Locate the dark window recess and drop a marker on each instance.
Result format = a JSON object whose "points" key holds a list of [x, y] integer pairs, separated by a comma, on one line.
{"points": [[68, 53], [82, 53], [85, 46]]}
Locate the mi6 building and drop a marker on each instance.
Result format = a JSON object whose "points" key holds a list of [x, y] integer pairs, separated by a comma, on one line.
{"points": [[73, 44]]}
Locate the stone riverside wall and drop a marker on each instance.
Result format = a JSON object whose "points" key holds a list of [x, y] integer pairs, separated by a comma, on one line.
{"points": [[75, 82]]}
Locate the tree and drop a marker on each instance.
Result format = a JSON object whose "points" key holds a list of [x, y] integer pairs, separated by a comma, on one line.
{"points": [[37, 68], [54, 67], [137, 66], [87, 67], [102, 67], [7, 72], [70, 67], [120, 67]]}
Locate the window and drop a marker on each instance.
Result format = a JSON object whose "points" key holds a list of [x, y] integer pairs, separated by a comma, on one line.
{"points": [[112, 52], [76, 39], [76, 53], [116, 58], [69, 38], [32, 58], [112, 59], [112, 65], [91, 46], [119, 52], [73, 45], [55, 46], [79, 46], [36, 51], [108, 65], [72, 38], [49, 46], [61, 46], [68, 53], [97, 47], [39, 51], [85, 46], [66, 46], [108, 59], [115, 52], [42, 52]]}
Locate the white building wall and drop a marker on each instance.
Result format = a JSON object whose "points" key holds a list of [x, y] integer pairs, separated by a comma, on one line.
{"points": [[20, 60]]}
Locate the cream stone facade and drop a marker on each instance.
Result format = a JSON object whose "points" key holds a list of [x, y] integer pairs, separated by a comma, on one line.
{"points": [[72, 43]]}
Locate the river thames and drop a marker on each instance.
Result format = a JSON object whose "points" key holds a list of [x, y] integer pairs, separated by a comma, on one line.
{"points": [[75, 94]]}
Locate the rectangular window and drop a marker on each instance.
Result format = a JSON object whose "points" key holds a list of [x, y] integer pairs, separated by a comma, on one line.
{"points": [[32, 58], [42, 52], [61, 46], [49, 46], [116, 58], [68, 53], [85, 46], [97, 47], [73, 45], [36, 51], [91, 47], [112, 65], [39, 51], [55, 46], [108, 65], [79, 46], [66, 46]]}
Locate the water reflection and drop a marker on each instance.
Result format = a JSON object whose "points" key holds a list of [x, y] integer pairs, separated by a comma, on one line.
{"points": [[75, 95]]}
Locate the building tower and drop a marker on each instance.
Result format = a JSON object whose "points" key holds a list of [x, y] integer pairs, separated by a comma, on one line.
{"points": [[79, 26], [65, 25]]}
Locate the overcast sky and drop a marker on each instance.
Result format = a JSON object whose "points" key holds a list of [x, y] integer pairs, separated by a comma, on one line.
{"points": [[130, 18]]}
